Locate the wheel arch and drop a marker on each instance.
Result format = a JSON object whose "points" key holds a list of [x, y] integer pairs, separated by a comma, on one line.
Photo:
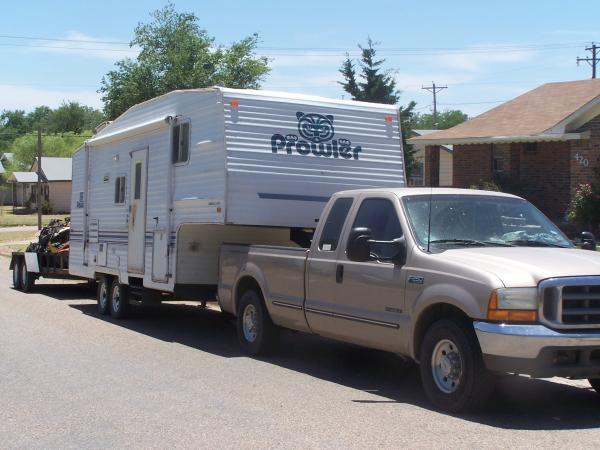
{"points": [[431, 314]]}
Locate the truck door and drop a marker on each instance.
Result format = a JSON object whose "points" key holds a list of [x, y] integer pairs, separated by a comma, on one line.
{"points": [[137, 211], [367, 298]]}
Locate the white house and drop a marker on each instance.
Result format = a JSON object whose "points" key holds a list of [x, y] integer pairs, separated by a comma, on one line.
{"points": [[56, 184]]}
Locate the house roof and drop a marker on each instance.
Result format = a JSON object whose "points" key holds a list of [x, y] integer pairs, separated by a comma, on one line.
{"points": [[23, 177], [447, 147], [6, 156], [55, 169], [550, 112]]}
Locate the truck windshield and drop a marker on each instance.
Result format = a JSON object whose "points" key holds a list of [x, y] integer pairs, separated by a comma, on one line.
{"points": [[479, 220]]}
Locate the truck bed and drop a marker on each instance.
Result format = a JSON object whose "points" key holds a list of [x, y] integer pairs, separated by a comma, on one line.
{"points": [[282, 272]]}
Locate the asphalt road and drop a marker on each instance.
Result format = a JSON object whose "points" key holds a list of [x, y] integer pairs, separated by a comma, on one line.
{"points": [[174, 377]]}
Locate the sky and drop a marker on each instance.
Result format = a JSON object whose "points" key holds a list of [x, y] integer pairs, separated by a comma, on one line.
{"points": [[484, 52]]}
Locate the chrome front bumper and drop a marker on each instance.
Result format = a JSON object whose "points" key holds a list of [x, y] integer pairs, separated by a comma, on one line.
{"points": [[527, 341]]}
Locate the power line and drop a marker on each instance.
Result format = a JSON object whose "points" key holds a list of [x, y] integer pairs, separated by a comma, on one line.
{"points": [[32, 38], [593, 60]]}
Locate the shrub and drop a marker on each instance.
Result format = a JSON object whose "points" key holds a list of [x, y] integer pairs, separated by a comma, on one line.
{"points": [[584, 209]]}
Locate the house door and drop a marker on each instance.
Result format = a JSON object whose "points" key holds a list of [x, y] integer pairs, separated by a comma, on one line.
{"points": [[137, 211]]}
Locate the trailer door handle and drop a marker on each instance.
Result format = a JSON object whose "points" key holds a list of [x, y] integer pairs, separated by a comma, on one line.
{"points": [[339, 273]]}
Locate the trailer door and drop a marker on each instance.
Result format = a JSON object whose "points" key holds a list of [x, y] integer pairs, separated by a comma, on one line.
{"points": [[137, 211]]}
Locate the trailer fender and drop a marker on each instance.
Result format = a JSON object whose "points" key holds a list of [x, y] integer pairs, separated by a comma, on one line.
{"points": [[31, 262]]}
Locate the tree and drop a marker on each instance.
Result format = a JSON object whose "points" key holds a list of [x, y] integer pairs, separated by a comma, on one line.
{"points": [[177, 54], [24, 148], [378, 86], [445, 119]]}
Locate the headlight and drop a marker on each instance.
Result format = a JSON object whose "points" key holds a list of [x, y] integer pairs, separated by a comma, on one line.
{"points": [[517, 298], [513, 304]]}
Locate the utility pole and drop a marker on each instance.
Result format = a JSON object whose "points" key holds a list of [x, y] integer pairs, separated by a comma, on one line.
{"points": [[595, 49], [39, 179], [434, 90]]}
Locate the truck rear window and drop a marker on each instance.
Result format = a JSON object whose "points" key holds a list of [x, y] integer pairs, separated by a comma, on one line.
{"points": [[333, 226]]}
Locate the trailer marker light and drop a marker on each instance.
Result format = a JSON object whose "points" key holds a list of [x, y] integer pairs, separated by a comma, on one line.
{"points": [[234, 103], [388, 118], [218, 209]]}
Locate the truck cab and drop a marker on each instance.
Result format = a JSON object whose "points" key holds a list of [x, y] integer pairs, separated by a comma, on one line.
{"points": [[467, 283]]}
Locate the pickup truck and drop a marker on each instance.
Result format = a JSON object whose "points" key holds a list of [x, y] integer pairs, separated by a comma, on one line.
{"points": [[467, 283]]}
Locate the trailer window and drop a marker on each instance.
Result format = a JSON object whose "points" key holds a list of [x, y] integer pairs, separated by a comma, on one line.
{"points": [[120, 190], [181, 143], [138, 180], [333, 225]]}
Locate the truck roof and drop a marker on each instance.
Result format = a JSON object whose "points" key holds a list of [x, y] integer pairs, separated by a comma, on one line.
{"points": [[406, 191]]}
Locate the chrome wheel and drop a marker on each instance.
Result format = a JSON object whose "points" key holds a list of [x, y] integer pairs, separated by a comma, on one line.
{"points": [[103, 296], [250, 323], [447, 366], [116, 297]]}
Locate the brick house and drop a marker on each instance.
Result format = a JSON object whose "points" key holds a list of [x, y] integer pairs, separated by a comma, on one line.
{"points": [[541, 145]]}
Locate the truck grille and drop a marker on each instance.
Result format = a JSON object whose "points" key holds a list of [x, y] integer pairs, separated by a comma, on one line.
{"points": [[571, 302]]}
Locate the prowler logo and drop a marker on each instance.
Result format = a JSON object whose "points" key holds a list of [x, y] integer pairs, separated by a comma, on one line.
{"points": [[316, 131]]}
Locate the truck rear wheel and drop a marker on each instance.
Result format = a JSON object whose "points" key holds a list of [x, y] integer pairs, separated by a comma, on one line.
{"points": [[119, 300], [257, 334], [452, 370], [16, 275], [103, 295], [27, 278]]}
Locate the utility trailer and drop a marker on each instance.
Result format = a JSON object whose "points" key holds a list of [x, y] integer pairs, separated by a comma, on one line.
{"points": [[27, 267], [157, 191]]}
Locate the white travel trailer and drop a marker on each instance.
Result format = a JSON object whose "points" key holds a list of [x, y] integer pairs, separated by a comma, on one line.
{"points": [[158, 190]]}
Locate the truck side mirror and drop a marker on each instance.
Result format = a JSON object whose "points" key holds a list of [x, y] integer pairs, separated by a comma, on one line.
{"points": [[400, 257], [359, 246]]}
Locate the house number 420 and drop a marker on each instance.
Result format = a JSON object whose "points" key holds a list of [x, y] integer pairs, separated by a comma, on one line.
{"points": [[581, 160]]}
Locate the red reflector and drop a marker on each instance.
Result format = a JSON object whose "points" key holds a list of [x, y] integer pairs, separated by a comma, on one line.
{"points": [[388, 118], [219, 209], [234, 103]]}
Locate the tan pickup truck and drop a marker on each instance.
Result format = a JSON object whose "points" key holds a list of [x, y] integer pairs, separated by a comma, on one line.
{"points": [[468, 283]]}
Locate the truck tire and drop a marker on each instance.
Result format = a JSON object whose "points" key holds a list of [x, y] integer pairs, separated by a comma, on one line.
{"points": [[27, 278], [119, 300], [595, 383], [103, 296], [452, 370], [257, 334], [16, 275]]}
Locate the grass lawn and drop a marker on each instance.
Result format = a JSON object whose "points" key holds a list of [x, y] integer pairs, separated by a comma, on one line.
{"points": [[8, 219], [10, 236]]}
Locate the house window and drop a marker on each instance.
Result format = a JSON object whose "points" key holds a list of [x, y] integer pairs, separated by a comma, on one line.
{"points": [[180, 144], [120, 190], [497, 159], [530, 147]]}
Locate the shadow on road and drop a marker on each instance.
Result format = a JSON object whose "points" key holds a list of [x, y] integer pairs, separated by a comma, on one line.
{"points": [[519, 402]]}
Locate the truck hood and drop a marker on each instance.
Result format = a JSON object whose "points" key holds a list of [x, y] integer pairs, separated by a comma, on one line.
{"points": [[526, 266]]}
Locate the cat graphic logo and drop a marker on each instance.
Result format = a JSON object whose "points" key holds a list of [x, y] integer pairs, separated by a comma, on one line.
{"points": [[317, 132]]}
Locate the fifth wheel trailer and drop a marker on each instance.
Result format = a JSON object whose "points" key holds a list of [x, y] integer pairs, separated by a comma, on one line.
{"points": [[158, 190]]}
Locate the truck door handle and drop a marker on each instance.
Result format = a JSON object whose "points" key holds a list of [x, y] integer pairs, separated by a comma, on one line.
{"points": [[339, 273]]}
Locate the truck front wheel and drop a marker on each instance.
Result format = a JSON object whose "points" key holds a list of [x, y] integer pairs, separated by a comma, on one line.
{"points": [[452, 370], [257, 334]]}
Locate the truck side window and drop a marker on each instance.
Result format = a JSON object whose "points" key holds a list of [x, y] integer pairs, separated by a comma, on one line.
{"points": [[380, 216], [333, 226]]}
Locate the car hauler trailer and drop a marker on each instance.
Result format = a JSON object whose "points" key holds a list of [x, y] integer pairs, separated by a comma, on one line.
{"points": [[158, 190]]}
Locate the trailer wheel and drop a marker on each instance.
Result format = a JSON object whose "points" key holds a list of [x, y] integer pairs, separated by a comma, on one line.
{"points": [[27, 278], [16, 275], [452, 370], [257, 334], [119, 300], [103, 296]]}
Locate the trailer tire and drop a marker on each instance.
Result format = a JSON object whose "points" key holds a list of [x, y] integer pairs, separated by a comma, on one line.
{"points": [[257, 334], [453, 374], [27, 278], [103, 296], [16, 274], [119, 300]]}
